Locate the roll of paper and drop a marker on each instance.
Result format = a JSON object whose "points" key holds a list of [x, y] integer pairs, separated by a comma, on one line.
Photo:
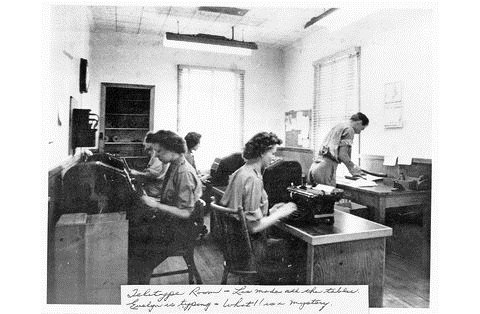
{"points": [[106, 138], [115, 138]]}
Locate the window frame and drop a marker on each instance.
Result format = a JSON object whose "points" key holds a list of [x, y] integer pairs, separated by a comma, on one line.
{"points": [[240, 79], [317, 138]]}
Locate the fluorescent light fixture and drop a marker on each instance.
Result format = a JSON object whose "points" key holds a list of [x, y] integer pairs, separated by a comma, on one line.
{"points": [[209, 43], [340, 18], [321, 16]]}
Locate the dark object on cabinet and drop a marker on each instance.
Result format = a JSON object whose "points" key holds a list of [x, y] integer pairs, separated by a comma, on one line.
{"points": [[84, 128]]}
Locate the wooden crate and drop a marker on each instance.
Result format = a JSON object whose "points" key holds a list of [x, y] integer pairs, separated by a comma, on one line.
{"points": [[70, 259], [106, 258], [91, 258]]}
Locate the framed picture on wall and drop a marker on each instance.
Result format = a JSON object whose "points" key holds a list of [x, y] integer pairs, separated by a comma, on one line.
{"points": [[297, 128], [84, 76], [393, 92]]}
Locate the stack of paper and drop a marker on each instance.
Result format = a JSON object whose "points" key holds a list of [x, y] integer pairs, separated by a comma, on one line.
{"points": [[326, 188], [356, 183]]}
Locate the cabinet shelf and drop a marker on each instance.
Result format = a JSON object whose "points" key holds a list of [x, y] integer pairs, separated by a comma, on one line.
{"points": [[128, 114], [123, 143], [127, 129]]}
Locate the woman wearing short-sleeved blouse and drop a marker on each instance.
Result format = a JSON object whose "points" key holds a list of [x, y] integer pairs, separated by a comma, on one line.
{"points": [[180, 191], [245, 190]]}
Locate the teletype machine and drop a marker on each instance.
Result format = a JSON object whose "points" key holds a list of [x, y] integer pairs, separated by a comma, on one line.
{"points": [[283, 183], [100, 183]]}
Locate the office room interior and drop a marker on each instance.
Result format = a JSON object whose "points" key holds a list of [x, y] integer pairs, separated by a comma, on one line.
{"points": [[227, 98]]}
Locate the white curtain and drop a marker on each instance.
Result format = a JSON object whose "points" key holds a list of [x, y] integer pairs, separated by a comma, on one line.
{"points": [[336, 97], [210, 102]]}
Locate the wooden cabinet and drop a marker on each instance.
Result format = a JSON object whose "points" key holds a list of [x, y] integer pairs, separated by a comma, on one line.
{"points": [[126, 115]]}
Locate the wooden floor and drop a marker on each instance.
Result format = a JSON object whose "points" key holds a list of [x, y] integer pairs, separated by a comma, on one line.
{"points": [[406, 275]]}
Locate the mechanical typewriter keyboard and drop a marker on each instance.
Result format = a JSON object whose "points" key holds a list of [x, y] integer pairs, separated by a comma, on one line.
{"points": [[315, 204]]}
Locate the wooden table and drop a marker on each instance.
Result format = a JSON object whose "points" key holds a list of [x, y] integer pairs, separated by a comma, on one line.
{"points": [[349, 252], [381, 197]]}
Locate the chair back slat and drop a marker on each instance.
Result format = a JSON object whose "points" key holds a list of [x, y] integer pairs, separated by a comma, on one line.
{"points": [[234, 237]]}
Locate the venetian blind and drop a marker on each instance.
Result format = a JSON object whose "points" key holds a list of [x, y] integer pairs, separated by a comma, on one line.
{"points": [[211, 102], [336, 95]]}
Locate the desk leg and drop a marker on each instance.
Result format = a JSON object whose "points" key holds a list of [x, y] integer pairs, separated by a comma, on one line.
{"points": [[426, 231], [310, 262], [380, 210]]}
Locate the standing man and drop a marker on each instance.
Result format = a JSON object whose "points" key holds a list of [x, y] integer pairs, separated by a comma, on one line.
{"points": [[337, 148]]}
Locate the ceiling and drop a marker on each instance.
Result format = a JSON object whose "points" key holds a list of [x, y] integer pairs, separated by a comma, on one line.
{"points": [[276, 26]]}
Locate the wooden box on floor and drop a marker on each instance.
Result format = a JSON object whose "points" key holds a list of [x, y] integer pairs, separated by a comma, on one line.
{"points": [[91, 256]]}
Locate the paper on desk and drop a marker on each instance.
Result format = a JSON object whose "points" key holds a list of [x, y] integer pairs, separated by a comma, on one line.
{"points": [[404, 160], [326, 188], [370, 177], [389, 160], [356, 183]]}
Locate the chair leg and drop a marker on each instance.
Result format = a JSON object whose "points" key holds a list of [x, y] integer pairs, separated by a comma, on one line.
{"points": [[193, 274], [225, 275]]}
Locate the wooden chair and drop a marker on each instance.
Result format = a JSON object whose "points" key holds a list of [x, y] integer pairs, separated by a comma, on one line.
{"points": [[187, 248], [235, 242]]}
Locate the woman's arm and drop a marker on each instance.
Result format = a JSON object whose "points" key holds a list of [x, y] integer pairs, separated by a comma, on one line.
{"points": [[281, 211], [256, 221], [187, 191], [183, 213]]}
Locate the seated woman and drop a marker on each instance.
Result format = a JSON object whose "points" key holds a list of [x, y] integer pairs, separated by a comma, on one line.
{"points": [[193, 143], [152, 177], [169, 220], [245, 190]]}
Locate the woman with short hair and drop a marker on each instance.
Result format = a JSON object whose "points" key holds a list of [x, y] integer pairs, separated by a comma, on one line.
{"points": [[245, 190], [193, 142], [153, 175], [169, 215]]}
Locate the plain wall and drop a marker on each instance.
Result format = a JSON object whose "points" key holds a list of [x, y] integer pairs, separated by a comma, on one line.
{"points": [[69, 38], [396, 45], [133, 59]]}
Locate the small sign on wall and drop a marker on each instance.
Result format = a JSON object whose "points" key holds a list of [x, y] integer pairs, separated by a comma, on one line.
{"points": [[297, 128], [393, 105]]}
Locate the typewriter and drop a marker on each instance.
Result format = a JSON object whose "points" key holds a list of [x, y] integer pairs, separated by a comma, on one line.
{"points": [[315, 204], [283, 182]]}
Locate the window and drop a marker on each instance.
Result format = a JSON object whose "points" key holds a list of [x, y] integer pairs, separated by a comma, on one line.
{"points": [[211, 102], [336, 96]]}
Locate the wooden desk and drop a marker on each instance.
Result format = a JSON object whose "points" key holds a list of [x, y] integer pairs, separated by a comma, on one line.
{"points": [[349, 252], [381, 197]]}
